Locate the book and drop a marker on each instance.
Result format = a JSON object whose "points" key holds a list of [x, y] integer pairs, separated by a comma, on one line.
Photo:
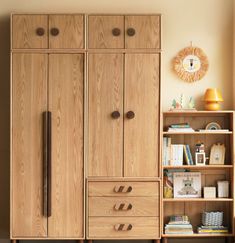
{"points": [[180, 125], [179, 224], [186, 156], [166, 151], [189, 155], [176, 154], [189, 129], [187, 184], [178, 219]]}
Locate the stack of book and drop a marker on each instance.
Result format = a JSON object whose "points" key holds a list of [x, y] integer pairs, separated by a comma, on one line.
{"points": [[179, 224], [180, 127], [212, 230], [174, 154]]}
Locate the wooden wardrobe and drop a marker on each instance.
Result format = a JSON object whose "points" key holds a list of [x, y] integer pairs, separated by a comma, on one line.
{"points": [[85, 105]]}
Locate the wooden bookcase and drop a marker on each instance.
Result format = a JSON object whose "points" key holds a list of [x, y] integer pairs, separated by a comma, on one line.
{"points": [[210, 174]]}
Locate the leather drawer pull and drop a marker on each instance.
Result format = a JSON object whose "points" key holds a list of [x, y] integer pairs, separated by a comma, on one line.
{"points": [[123, 227], [122, 189], [122, 207]]}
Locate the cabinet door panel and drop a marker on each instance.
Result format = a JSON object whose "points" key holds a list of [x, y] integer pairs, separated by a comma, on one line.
{"points": [[66, 106], [147, 31], [105, 96], [141, 132], [29, 100], [71, 31], [101, 32], [24, 31]]}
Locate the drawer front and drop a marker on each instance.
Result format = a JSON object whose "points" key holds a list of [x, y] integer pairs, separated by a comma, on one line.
{"points": [[66, 31], [142, 32], [124, 227], [130, 189], [29, 31], [106, 32], [123, 206]]}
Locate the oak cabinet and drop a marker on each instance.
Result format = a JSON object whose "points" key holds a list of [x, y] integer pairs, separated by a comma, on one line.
{"points": [[47, 158], [123, 115], [129, 31], [47, 31]]}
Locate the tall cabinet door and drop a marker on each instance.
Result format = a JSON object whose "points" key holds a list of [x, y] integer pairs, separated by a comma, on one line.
{"points": [[29, 101], [105, 114], [67, 178], [141, 115]]}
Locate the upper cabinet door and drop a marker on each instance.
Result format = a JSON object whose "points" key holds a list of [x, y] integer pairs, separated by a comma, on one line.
{"points": [[142, 31], [67, 180], [29, 101], [106, 32], [105, 154], [66, 31], [141, 108], [29, 31]]}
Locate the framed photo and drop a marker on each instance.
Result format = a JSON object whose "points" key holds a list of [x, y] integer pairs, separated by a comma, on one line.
{"points": [[200, 158], [217, 154], [187, 184]]}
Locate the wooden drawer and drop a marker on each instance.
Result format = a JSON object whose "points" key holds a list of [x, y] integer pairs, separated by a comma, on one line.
{"points": [[123, 228], [123, 206], [142, 31], [130, 189], [29, 31], [106, 32]]}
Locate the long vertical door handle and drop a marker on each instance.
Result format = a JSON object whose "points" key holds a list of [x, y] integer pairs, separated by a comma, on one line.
{"points": [[49, 165], [45, 162]]}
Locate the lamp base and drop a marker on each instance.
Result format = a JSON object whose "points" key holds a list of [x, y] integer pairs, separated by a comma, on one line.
{"points": [[212, 106]]}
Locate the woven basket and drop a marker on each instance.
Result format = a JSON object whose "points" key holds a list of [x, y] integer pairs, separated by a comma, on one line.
{"points": [[212, 218]]}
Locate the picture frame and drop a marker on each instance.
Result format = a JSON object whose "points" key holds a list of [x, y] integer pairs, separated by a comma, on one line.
{"points": [[217, 154], [200, 158]]}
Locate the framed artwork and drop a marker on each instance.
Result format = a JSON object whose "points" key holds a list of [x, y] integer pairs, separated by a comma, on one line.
{"points": [[217, 154], [200, 158], [187, 184]]}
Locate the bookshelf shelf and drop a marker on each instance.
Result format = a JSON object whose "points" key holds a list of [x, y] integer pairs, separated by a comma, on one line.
{"points": [[197, 199], [210, 174], [196, 235], [197, 133], [197, 167]]}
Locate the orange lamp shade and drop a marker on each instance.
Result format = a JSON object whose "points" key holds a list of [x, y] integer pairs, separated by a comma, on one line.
{"points": [[212, 98]]}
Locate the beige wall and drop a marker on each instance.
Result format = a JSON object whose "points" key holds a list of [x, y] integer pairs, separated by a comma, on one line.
{"points": [[208, 23]]}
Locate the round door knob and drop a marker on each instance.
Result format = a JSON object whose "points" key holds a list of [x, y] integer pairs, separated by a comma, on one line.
{"points": [[130, 32], [40, 31], [55, 31], [116, 32], [130, 114], [115, 114]]}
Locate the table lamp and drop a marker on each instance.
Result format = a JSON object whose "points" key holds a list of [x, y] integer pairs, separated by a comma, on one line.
{"points": [[212, 98]]}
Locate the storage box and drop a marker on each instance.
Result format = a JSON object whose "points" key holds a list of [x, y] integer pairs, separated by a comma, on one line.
{"points": [[209, 192], [223, 188]]}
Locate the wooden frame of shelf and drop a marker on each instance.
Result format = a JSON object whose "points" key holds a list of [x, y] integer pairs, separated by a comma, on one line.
{"points": [[193, 207]]}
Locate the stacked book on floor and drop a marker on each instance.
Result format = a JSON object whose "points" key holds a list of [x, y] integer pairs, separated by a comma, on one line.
{"points": [[176, 154], [180, 127], [179, 224], [212, 230]]}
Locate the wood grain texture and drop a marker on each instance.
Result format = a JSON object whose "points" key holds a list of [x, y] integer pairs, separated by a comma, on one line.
{"points": [[147, 31], [100, 32], [66, 106], [29, 100], [142, 97], [104, 227], [24, 31], [107, 206], [139, 189], [71, 31], [105, 133]]}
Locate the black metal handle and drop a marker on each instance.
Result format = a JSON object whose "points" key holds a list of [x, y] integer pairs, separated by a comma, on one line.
{"points": [[130, 31], [49, 212], [40, 31], [115, 114], [45, 163], [55, 31], [116, 31], [130, 114]]}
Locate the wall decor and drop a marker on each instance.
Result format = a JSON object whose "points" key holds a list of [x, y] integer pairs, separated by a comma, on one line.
{"points": [[217, 154], [191, 64]]}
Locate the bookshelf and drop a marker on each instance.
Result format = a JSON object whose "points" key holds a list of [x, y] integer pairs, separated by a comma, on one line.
{"points": [[210, 174]]}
